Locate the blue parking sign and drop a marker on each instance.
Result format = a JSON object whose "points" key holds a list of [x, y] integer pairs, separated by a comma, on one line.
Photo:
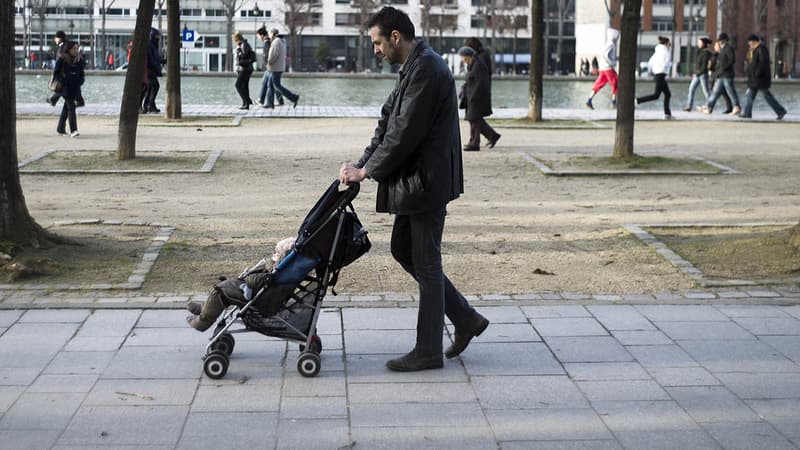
{"points": [[187, 35]]}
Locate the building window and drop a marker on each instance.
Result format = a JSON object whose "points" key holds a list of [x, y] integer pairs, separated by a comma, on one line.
{"points": [[192, 12], [662, 24], [118, 12], [476, 21], [215, 13]]}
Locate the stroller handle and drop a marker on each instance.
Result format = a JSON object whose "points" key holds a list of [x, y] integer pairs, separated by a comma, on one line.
{"points": [[352, 188]]}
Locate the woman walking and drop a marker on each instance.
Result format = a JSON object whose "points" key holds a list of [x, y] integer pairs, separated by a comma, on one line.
{"points": [[244, 68], [69, 71], [660, 63], [477, 99]]}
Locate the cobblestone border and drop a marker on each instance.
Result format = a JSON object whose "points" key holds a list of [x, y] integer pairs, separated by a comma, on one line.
{"points": [[547, 170], [207, 167], [103, 299], [135, 280], [589, 125], [234, 122], [688, 268]]}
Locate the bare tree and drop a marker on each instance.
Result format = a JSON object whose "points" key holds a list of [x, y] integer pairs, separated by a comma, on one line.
{"points": [[24, 5], [92, 43], [365, 9], [173, 105], [535, 89], [563, 10], [129, 109], [39, 9], [160, 6], [511, 16], [104, 5], [231, 7], [16, 224], [298, 15], [442, 21], [623, 137]]}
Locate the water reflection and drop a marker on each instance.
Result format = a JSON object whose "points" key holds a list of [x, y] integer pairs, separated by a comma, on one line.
{"points": [[506, 93]]}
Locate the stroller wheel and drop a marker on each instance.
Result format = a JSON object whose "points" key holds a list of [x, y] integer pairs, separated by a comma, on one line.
{"points": [[316, 345], [216, 365], [225, 344], [308, 364]]}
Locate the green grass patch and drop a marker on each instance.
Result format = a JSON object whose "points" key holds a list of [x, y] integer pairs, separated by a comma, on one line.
{"points": [[107, 160], [95, 254], [525, 122], [645, 163], [744, 253]]}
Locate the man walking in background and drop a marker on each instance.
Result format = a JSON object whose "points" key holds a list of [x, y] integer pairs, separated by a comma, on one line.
{"points": [[726, 64], [759, 78], [276, 65], [415, 156]]}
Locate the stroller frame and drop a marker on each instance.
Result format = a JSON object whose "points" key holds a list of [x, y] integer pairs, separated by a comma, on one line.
{"points": [[305, 299]]}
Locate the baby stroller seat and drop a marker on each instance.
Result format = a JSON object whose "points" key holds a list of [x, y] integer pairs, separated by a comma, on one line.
{"points": [[288, 304]]}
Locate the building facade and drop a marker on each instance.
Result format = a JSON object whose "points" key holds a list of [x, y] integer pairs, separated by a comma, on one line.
{"points": [[322, 35]]}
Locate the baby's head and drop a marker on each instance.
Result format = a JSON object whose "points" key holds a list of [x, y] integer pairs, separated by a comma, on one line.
{"points": [[282, 249]]}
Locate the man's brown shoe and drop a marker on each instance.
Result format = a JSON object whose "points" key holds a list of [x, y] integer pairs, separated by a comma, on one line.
{"points": [[462, 338], [412, 362]]}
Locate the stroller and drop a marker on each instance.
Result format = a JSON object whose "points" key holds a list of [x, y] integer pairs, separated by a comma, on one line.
{"points": [[289, 303]]}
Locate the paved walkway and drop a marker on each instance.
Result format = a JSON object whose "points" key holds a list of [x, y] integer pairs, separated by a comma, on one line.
{"points": [[374, 111], [542, 376]]}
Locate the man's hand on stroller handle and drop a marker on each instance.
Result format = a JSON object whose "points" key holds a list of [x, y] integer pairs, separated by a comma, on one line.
{"points": [[348, 173]]}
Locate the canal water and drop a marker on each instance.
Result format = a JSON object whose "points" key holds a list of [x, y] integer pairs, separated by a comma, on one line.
{"points": [[106, 88]]}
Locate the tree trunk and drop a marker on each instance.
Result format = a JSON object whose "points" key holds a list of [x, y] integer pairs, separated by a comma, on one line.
{"points": [[129, 110], [626, 94], [103, 36], [537, 61], [229, 45], [16, 224], [173, 105]]}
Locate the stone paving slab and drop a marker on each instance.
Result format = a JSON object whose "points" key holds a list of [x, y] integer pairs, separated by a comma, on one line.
{"points": [[702, 385]]}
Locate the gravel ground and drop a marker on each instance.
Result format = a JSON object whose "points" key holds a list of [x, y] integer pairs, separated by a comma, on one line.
{"points": [[510, 222]]}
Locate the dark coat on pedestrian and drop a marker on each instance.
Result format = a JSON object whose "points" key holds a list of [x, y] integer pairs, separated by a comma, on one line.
{"points": [[758, 69], [478, 91], [486, 58], [726, 62], [415, 154], [70, 72], [154, 59], [701, 61], [245, 56]]}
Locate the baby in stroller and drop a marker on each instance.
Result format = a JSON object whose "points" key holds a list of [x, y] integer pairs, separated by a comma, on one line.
{"points": [[242, 288]]}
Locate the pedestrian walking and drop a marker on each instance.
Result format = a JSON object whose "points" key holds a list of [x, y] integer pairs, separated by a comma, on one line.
{"points": [[607, 73], [264, 38], [476, 97], [482, 54], [154, 70], [245, 56], [759, 78], [415, 156], [276, 65], [725, 71], [69, 72], [712, 70], [60, 39], [660, 64], [700, 75]]}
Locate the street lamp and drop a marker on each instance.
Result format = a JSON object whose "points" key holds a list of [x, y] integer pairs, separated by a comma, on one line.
{"points": [[256, 12]]}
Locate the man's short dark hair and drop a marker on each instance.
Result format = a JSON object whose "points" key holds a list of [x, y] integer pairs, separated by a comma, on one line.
{"points": [[753, 38], [262, 31], [723, 37], [61, 35], [389, 19]]}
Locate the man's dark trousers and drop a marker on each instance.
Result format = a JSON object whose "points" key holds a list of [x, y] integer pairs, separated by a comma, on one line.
{"points": [[417, 246]]}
